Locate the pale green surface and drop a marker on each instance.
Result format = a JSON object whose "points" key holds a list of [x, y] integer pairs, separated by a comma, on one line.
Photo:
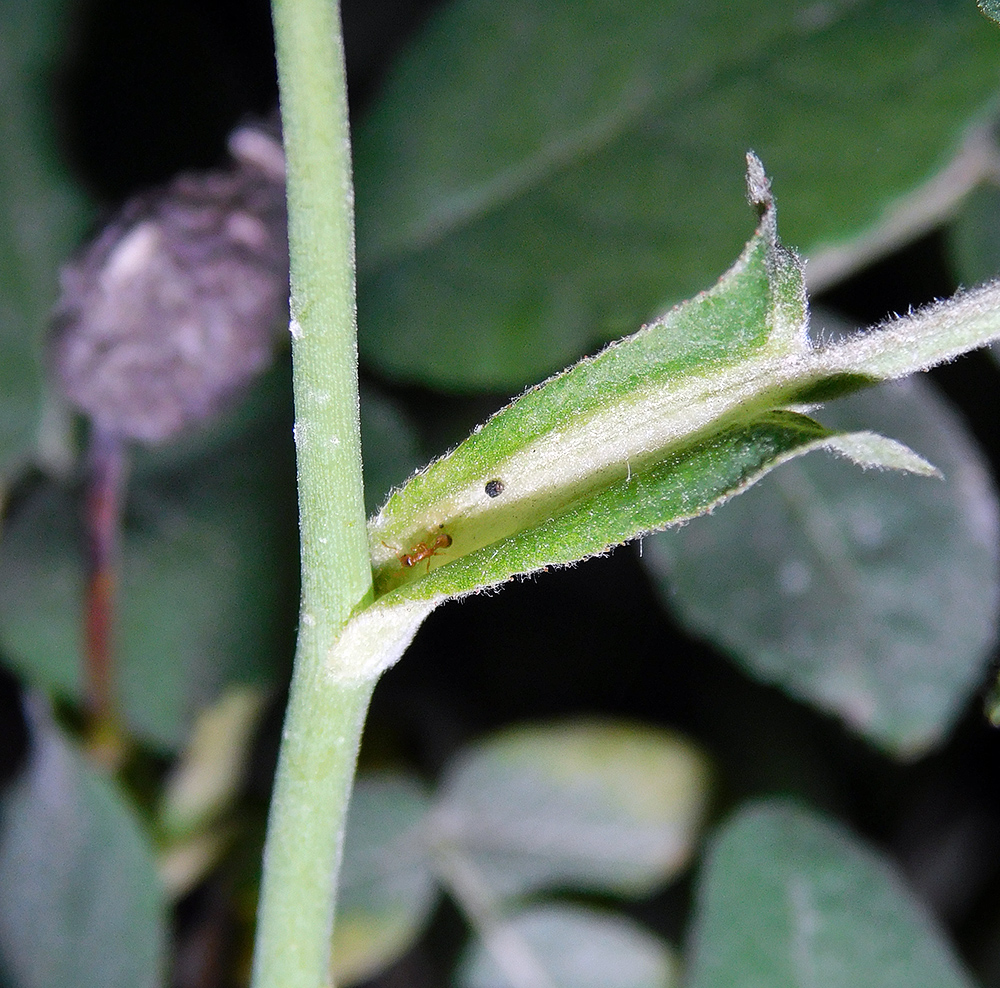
{"points": [[868, 594], [576, 947], [42, 214], [325, 715], [80, 901], [387, 887], [536, 178], [608, 806], [787, 899]]}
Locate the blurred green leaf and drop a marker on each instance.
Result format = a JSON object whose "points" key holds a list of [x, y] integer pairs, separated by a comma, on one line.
{"points": [[608, 806], [974, 237], [575, 948], [788, 899], [387, 886], [538, 178], [42, 213], [389, 445], [873, 595], [206, 594], [80, 902]]}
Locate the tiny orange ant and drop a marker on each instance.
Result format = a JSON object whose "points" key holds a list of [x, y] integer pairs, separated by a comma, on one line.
{"points": [[422, 551]]}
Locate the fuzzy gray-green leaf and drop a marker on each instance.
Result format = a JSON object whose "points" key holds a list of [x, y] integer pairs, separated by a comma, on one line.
{"points": [[788, 899], [571, 947], [80, 901], [609, 806], [656, 429]]}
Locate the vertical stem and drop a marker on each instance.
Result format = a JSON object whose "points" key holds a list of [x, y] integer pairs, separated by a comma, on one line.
{"points": [[325, 715], [107, 471]]}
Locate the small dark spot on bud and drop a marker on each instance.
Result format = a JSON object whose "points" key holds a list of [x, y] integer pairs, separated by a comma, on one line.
{"points": [[494, 488]]}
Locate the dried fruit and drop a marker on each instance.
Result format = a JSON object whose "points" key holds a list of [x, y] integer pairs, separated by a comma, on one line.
{"points": [[178, 302]]}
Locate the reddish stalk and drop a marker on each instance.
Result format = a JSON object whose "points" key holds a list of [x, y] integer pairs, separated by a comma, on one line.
{"points": [[105, 494]]}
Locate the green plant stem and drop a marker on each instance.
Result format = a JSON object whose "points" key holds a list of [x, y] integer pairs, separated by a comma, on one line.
{"points": [[326, 711]]}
